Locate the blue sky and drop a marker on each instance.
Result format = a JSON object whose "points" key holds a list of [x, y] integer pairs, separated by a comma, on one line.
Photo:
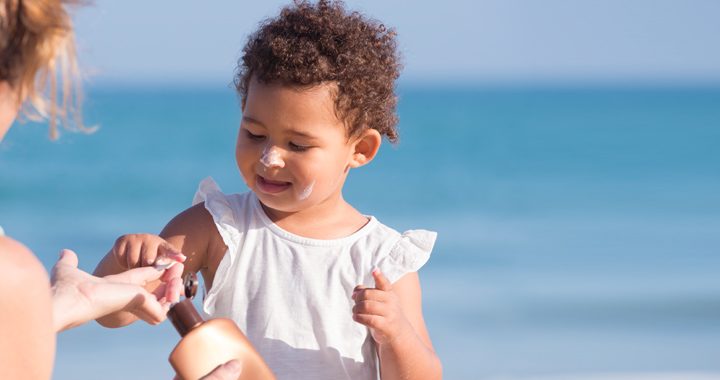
{"points": [[461, 41]]}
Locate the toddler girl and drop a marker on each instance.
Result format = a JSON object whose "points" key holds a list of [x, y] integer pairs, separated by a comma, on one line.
{"points": [[321, 290]]}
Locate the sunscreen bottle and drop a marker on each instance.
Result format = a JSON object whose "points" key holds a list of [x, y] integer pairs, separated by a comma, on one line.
{"points": [[207, 344]]}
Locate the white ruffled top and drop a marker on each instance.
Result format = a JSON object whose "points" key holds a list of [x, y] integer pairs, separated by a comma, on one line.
{"points": [[291, 294]]}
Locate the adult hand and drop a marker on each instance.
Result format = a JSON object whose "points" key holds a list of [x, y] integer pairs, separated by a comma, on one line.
{"points": [[228, 371], [79, 297]]}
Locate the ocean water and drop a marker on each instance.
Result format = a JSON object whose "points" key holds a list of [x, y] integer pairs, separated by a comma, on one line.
{"points": [[579, 228]]}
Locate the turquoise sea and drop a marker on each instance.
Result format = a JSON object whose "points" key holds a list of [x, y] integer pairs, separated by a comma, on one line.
{"points": [[579, 227]]}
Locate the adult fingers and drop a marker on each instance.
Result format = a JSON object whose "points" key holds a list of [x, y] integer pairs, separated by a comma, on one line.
{"points": [[67, 261], [173, 289], [67, 257], [381, 282], [109, 297], [137, 276], [174, 271], [146, 307], [228, 371]]}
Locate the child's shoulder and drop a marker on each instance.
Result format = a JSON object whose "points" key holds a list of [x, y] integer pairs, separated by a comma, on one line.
{"points": [[209, 192], [212, 218], [230, 214], [397, 253], [421, 238], [224, 208]]}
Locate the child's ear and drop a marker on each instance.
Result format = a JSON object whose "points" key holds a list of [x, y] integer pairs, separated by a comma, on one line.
{"points": [[365, 147]]}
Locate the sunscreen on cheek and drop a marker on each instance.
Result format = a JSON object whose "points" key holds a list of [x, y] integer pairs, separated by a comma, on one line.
{"points": [[305, 193]]}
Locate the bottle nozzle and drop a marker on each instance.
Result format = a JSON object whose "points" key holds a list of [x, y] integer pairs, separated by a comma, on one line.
{"points": [[190, 284]]}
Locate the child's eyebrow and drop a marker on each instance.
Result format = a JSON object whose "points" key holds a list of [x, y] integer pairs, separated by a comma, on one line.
{"points": [[301, 134], [293, 132], [253, 121]]}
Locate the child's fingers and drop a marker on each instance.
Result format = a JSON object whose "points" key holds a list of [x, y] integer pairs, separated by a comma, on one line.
{"points": [[370, 294], [166, 249], [370, 308], [381, 282], [132, 253], [370, 320], [148, 253], [357, 290], [118, 251]]}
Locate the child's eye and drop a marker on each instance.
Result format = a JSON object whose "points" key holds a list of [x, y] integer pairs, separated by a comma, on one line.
{"points": [[253, 136], [298, 148]]}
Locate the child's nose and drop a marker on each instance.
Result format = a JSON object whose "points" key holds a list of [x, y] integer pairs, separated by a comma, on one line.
{"points": [[271, 157]]}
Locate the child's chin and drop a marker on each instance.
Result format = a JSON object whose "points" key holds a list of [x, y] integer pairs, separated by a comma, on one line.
{"points": [[281, 204]]}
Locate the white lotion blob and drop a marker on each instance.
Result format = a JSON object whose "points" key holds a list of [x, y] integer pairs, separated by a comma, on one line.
{"points": [[271, 158], [305, 194]]}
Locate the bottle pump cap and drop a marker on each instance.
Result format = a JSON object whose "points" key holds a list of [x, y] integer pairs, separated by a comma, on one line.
{"points": [[183, 314]]}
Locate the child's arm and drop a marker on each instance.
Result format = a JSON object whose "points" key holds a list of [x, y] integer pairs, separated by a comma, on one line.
{"points": [[393, 312], [192, 232]]}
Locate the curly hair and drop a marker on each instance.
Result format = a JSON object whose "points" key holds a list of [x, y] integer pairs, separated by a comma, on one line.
{"points": [[36, 47], [311, 44]]}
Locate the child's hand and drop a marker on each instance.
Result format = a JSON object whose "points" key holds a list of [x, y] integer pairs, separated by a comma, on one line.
{"points": [[379, 309], [139, 250]]}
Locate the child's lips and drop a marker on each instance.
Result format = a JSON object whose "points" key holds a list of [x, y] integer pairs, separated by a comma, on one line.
{"points": [[270, 186]]}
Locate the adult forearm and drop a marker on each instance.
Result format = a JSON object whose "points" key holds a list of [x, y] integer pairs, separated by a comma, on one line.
{"points": [[408, 358]]}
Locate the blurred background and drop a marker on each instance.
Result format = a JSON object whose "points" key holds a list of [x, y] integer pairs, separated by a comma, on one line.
{"points": [[567, 153]]}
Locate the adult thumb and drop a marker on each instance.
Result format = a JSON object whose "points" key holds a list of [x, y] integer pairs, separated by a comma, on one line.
{"points": [[228, 371], [68, 257]]}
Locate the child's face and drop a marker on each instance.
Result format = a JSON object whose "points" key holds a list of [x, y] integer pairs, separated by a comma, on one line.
{"points": [[292, 150]]}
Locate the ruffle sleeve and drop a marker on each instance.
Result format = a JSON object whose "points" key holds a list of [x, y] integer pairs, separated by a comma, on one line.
{"points": [[409, 254], [219, 206]]}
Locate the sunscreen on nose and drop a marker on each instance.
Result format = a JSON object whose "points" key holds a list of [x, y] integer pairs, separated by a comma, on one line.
{"points": [[271, 157]]}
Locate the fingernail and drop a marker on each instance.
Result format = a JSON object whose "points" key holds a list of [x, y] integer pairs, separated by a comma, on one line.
{"points": [[376, 270], [162, 267]]}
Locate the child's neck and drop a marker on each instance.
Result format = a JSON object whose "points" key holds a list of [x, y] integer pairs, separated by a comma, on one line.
{"points": [[332, 219]]}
